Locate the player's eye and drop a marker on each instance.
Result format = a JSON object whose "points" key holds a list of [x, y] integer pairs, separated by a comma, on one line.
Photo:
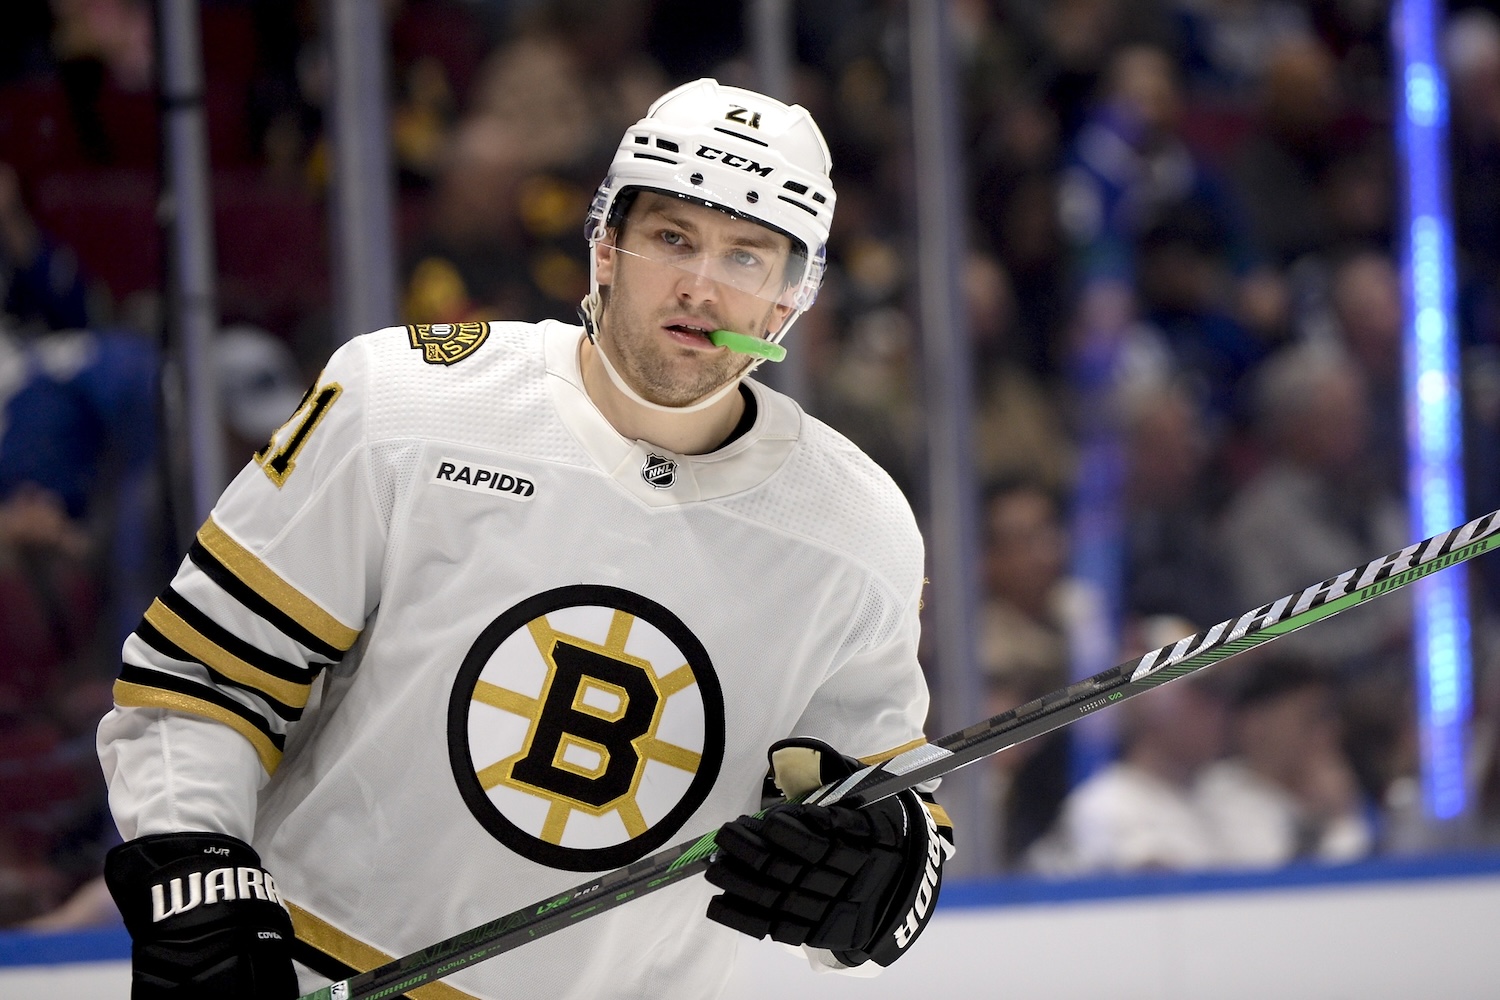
{"points": [[746, 260], [672, 238]]}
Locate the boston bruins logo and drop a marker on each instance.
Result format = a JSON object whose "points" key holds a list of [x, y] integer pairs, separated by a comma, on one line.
{"points": [[447, 343], [585, 727]]}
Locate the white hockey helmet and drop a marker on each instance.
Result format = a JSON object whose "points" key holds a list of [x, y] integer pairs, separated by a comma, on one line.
{"points": [[737, 151]]}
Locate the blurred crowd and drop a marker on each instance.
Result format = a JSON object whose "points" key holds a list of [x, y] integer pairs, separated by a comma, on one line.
{"points": [[1181, 236]]}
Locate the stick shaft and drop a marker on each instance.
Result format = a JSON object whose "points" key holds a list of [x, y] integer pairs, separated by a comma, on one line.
{"points": [[932, 760]]}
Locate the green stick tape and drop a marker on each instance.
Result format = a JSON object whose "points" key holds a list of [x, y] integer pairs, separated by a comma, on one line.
{"points": [[753, 346]]}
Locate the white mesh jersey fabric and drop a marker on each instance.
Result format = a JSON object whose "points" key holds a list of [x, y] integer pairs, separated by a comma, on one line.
{"points": [[392, 464], [793, 603], [495, 395], [831, 493]]}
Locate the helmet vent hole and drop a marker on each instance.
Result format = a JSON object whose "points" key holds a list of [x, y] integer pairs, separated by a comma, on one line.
{"points": [[696, 179], [752, 197]]}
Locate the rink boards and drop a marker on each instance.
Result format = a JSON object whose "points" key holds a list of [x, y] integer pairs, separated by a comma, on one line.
{"points": [[1386, 929]]}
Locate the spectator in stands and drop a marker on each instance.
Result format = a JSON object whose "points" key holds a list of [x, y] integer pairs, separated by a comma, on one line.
{"points": [[78, 438], [1028, 599], [41, 285], [1027, 783], [1369, 317], [1174, 564], [260, 387], [1018, 431], [1070, 45], [871, 392], [1140, 812], [1184, 270], [470, 265], [1129, 168], [1472, 46], [1226, 43], [1287, 791], [1318, 506], [55, 677], [1024, 619], [1282, 172], [106, 60]]}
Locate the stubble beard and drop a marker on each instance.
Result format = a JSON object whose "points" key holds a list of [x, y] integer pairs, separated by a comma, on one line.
{"points": [[661, 372]]}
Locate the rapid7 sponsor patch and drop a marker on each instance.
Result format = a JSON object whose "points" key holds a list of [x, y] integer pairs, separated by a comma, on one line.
{"points": [[482, 479]]}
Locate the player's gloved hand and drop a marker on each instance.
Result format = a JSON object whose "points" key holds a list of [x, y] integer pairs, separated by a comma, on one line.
{"points": [[858, 882], [205, 919]]}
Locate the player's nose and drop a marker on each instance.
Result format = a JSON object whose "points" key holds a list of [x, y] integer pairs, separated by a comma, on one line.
{"points": [[695, 285]]}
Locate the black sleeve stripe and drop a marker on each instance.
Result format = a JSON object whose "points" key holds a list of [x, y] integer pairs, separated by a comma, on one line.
{"points": [[153, 637], [139, 687], [234, 645], [250, 570], [242, 592]]}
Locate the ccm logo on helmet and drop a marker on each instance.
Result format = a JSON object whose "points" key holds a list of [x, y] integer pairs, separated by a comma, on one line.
{"points": [[734, 160]]}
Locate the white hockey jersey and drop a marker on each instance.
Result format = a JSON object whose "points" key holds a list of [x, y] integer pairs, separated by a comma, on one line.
{"points": [[451, 641]]}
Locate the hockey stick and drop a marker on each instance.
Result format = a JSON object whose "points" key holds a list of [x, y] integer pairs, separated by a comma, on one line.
{"points": [[932, 760]]}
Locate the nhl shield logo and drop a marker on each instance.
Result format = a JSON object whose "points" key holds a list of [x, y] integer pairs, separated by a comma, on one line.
{"points": [[660, 472]]}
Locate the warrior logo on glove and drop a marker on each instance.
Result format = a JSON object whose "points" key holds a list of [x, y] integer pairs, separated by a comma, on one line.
{"points": [[585, 727], [860, 883]]}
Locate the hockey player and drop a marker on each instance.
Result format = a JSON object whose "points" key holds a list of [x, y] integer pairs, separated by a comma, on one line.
{"points": [[502, 603]]}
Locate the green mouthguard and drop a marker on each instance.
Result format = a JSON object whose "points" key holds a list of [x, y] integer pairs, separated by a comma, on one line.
{"points": [[741, 344]]}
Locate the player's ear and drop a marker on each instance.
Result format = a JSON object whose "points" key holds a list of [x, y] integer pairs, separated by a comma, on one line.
{"points": [[779, 313], [604, 259]]}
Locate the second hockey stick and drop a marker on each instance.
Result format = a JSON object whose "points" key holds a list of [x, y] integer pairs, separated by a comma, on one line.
{"points": [[932, 760]]}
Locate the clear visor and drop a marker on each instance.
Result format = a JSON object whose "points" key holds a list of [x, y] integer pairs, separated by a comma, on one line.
{"points": [[770, 275]]}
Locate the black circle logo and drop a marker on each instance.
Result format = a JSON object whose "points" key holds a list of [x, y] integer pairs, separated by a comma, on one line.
{"points": [[585, 727]]}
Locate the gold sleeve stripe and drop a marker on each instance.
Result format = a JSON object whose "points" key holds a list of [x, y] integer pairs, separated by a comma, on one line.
{"points": [[888, 754], [213, 655], [331, 941], [128, 695], [263, 580], [939, 814]]}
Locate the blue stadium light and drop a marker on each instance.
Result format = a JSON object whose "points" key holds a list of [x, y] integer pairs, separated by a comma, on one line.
{"points": [[1434, 436]]}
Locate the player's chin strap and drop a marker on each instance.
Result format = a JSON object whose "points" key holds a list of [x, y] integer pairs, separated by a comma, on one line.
{"points": [[589, 311]]}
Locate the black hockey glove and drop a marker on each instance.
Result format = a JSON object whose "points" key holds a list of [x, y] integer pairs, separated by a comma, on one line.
{"points": [[205, 919], [858, 882]]}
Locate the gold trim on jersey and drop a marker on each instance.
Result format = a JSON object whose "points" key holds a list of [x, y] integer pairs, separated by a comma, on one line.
{"points": [[128, 695], [939, 814], [647, 746], [885, 755], [260, 578], [447, 343], [320, 934], [211, 654]]}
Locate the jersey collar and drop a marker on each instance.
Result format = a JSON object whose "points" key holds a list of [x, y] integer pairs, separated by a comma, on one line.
{"points": [[743, 464]]}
